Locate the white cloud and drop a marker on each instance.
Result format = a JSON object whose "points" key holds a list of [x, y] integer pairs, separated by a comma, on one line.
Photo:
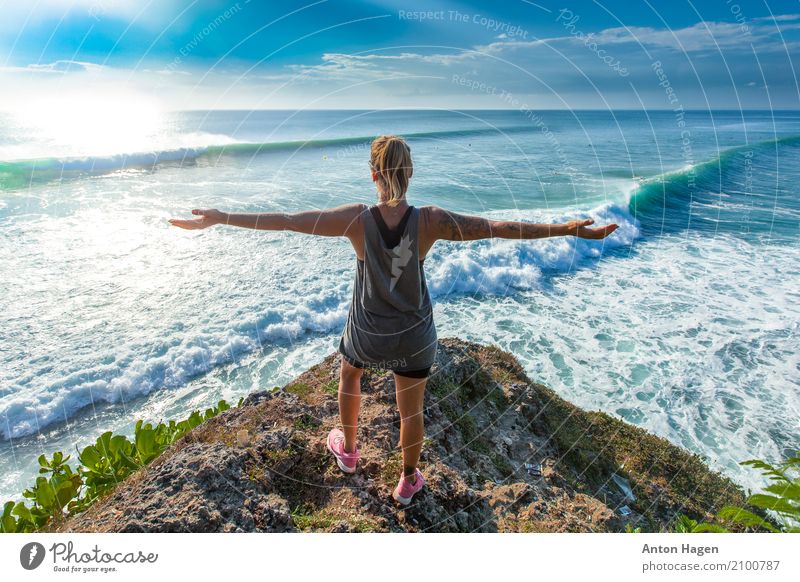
{"points": [[703, 36], [778, 17], [552, 68], [61, 66], [698, 37]]}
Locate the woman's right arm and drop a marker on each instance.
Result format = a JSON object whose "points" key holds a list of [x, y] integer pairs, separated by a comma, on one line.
{"points": [[339, 221], [446, 225]]}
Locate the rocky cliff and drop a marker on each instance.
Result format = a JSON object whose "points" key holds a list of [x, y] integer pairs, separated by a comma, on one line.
{"points": [[502, 453]]}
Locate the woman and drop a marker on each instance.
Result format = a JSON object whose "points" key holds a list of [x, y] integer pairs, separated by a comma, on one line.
{"points": [[390, 323]]}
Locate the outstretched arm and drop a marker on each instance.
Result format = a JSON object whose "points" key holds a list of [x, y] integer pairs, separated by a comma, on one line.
{"points": [[326, 222], [448, 225]]}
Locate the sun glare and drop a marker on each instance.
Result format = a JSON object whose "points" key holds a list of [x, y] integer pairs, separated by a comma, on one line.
{"points": [[84, 125]]}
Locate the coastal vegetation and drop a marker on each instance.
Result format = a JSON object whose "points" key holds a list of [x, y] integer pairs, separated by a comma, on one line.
{"points": [[502, 453], [62, 491], [781, 496]]}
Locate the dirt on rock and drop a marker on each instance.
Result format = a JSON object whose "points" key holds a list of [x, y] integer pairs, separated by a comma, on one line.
{"points": [[501, 453]]}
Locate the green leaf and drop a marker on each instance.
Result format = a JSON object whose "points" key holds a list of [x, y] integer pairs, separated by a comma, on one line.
{"points": [[119, 443], [65, 492], [773, 503], [709, 528], [90, 457], [146, 445], [39, 517], [45, 496], [8, 524], [744, 517], [788, 490], [103, 440], [195, 419], [127, 464], [685, 524], [766, 469], [21, 510]]}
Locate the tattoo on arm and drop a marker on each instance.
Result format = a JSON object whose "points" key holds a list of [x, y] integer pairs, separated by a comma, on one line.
{"points": [[454, 226], [460, 227]]}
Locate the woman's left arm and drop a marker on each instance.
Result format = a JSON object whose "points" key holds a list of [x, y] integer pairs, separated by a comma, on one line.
{"points": [[337, 221], [447, 225]]}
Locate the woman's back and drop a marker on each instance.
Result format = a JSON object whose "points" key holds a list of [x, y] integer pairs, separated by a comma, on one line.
{"points": [[391, 313], [393, 276]]}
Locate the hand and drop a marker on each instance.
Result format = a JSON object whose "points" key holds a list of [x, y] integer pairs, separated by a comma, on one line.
{"points": [[578, 228], [208, 217]]}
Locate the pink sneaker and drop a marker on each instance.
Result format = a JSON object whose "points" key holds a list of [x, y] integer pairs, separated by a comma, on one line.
{"points": [[405, 490], [346, 461]]}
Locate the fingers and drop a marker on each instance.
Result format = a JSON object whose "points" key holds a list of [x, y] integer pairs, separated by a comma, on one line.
{"points": [[193, 224], [187, 224], [598, 233], [607, 230]]}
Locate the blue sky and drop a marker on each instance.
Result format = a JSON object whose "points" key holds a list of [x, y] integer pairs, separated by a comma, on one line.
{"points": [[388, 53]]}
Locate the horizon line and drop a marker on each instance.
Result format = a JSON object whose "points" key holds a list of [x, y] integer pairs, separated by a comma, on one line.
{"points": [[505, 109], [483, 109]]}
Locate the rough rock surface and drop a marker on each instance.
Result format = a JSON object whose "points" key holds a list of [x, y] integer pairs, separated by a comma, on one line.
{"points": [[488, 426]]}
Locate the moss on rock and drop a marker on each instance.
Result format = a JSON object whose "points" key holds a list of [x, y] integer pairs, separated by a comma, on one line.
{"points": [[502, 453]]}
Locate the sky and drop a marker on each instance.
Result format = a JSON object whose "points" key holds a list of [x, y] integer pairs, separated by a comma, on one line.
{"points": [[356, 54]]}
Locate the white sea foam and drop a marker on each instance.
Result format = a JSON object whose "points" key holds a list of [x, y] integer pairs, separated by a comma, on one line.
{"points": [[502, 265], [690, 333], [25, 412], [682, 340], [494, 266]]}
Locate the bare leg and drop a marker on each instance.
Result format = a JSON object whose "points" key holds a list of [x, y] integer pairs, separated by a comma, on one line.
{"points": [[349, 403], [410, 397]]}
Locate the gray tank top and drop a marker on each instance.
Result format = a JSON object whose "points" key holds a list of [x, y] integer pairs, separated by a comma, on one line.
{"points": [[390, 323]]}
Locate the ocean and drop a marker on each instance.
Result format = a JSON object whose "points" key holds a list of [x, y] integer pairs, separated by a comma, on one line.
{"points": [[684, 322]]}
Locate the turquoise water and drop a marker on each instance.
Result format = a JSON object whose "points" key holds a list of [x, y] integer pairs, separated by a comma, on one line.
{"points": [[685, 321]]}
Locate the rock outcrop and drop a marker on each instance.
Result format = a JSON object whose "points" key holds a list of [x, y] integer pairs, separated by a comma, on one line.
{"points": [[501, 453]]}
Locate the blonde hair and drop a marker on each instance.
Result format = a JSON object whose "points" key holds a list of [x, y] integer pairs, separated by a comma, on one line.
{"points": [[390, 157]]}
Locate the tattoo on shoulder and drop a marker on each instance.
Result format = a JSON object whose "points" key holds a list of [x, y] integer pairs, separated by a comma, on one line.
{"points": [[462, 227]]}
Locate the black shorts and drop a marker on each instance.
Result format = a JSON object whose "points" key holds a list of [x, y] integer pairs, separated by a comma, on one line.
{"points": [[423, 373]]}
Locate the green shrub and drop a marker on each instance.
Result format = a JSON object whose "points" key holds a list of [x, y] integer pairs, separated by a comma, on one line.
{"points": [[782, 496], [60, 491], [686, 524]]}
